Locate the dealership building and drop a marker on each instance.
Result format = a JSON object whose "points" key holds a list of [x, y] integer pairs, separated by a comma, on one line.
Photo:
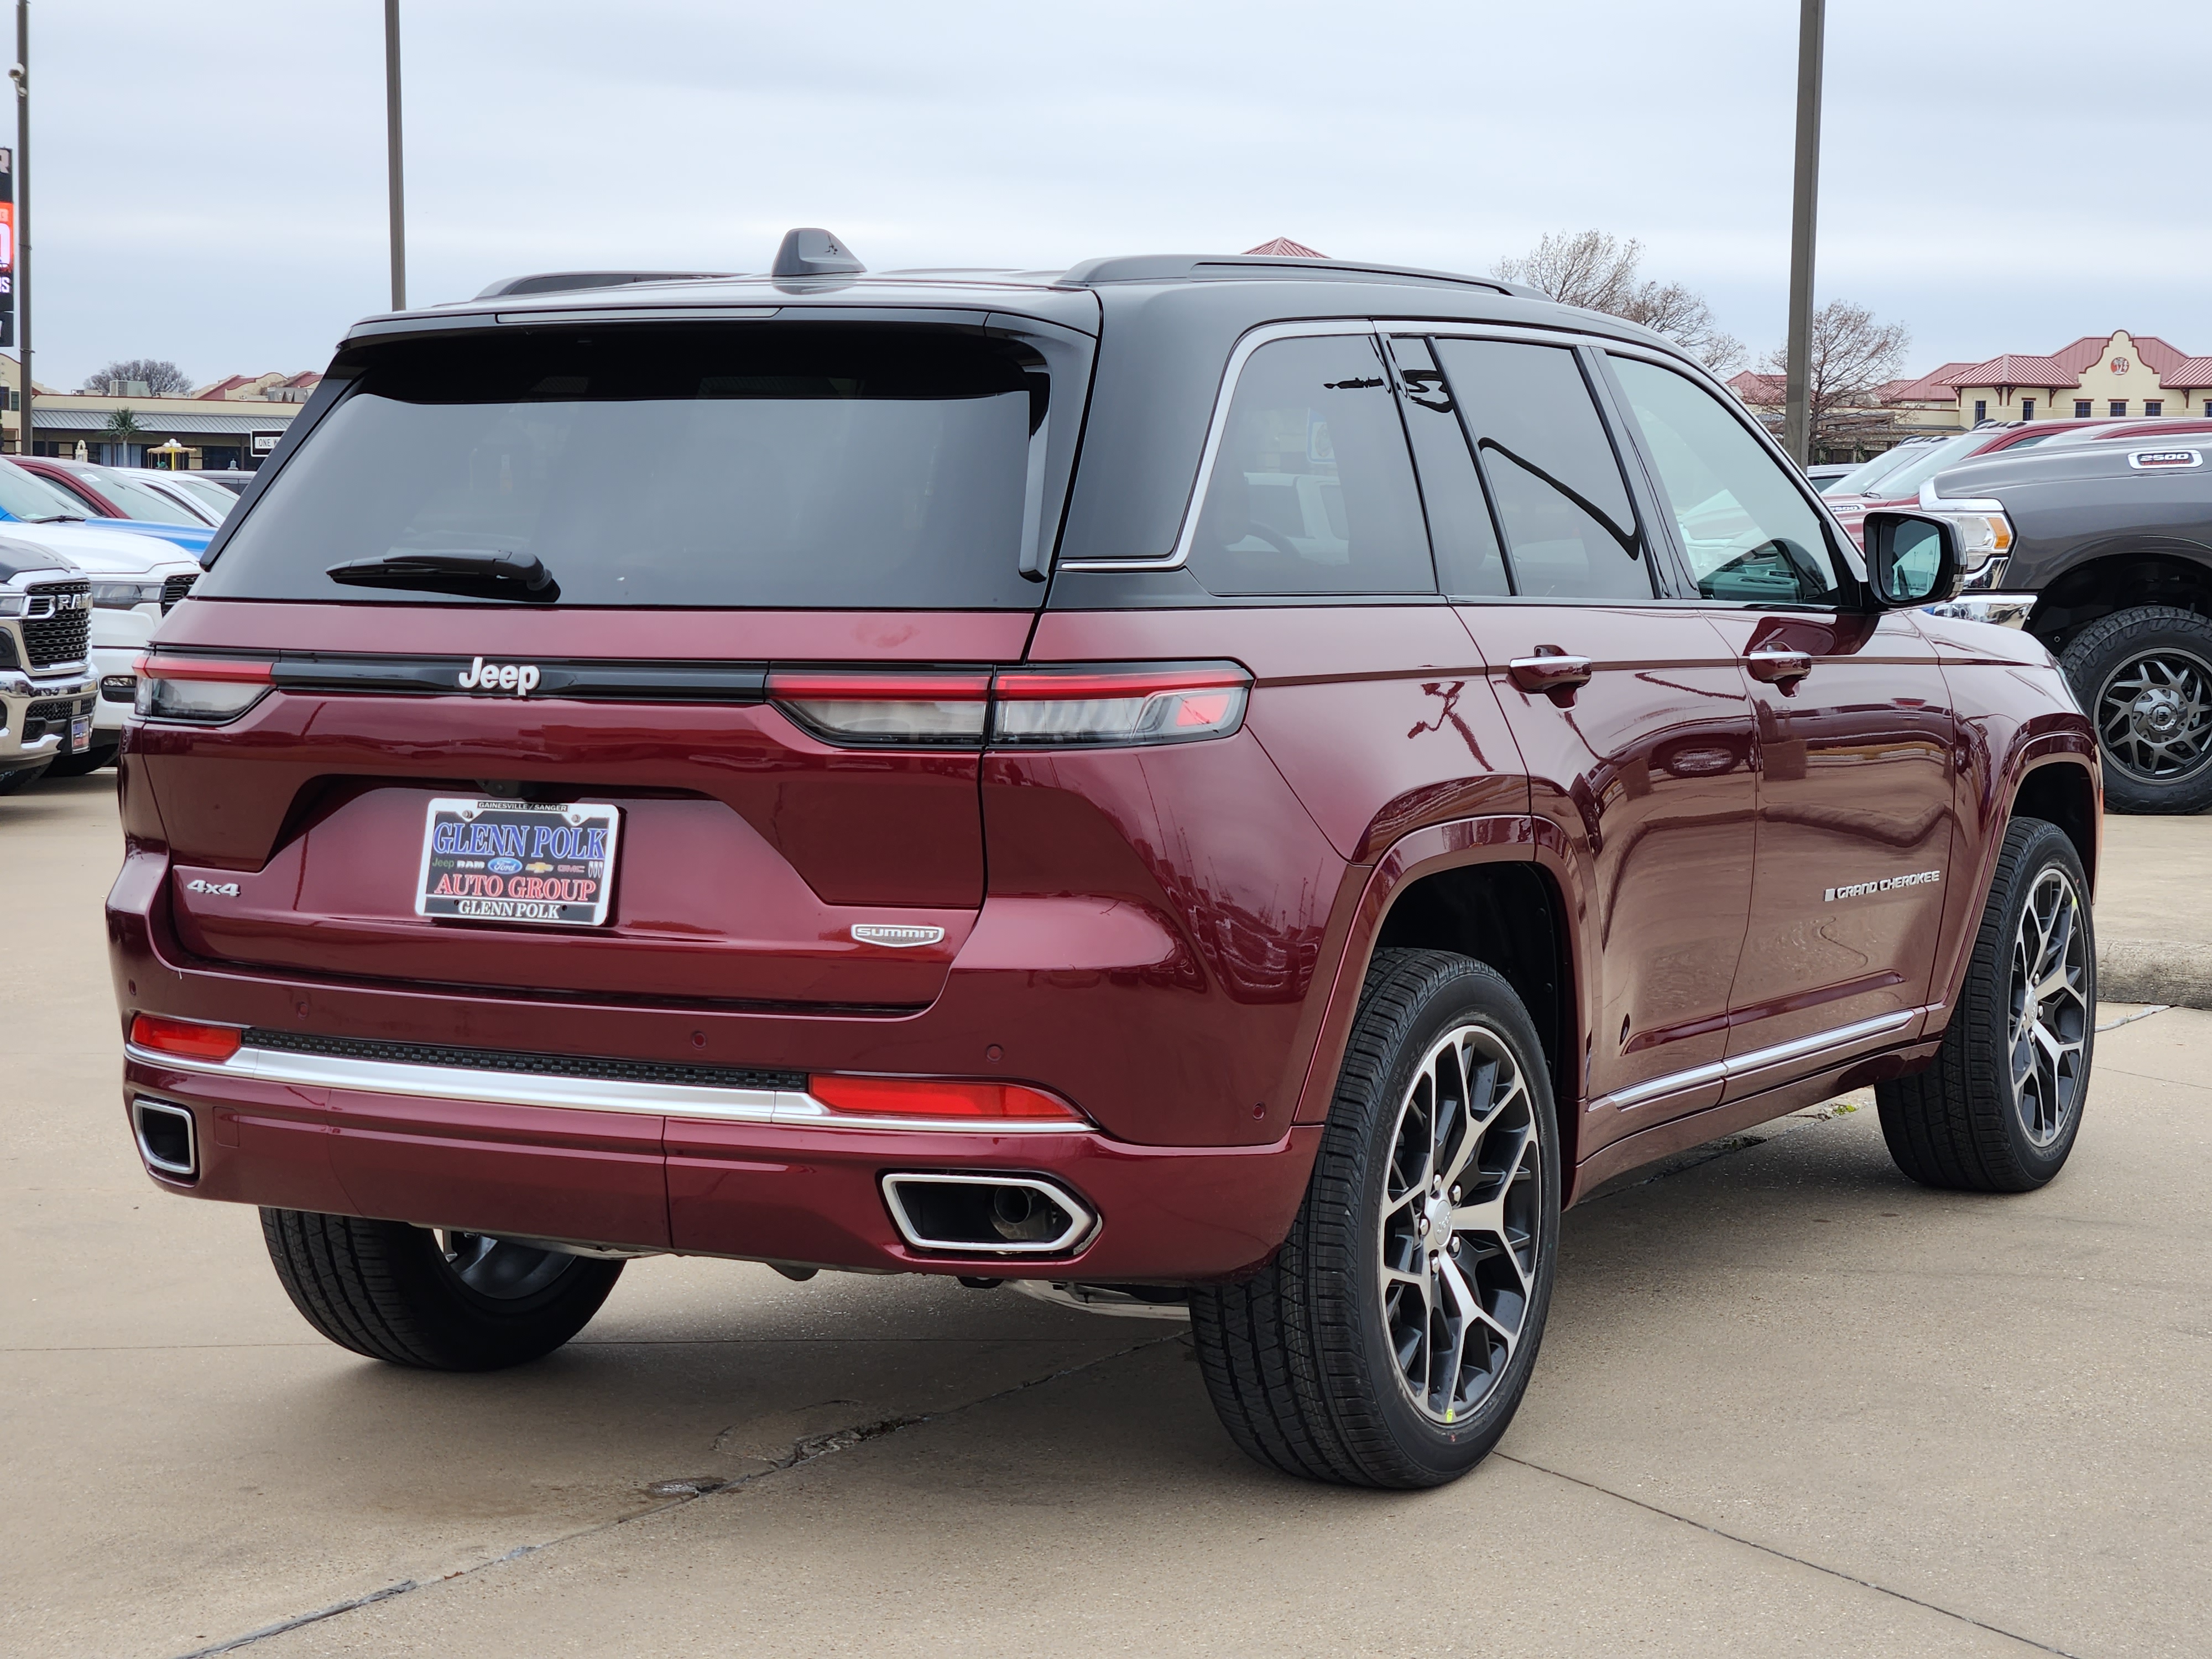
{"points": [[232, 423]]}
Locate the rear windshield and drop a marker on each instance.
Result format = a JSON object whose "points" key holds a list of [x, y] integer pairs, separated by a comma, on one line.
{"points": [[747, 465]]}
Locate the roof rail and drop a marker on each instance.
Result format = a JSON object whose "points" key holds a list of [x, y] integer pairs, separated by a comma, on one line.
{"points": [[568, 281], [1196, 267]]}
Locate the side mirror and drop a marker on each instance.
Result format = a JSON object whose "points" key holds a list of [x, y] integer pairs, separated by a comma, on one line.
{"points": [[1911, 560]]}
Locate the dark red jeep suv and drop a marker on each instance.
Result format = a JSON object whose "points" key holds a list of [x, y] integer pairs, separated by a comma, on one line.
{"points": [[1216, 785]]}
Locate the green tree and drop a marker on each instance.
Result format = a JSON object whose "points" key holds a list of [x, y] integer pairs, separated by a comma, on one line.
{"points": [[123, 427]]}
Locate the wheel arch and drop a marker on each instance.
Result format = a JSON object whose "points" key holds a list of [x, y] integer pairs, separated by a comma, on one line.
{"points": [[1471, 887], [2120, 577], [2061, 790]]}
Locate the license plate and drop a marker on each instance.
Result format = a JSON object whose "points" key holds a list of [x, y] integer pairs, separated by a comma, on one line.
{"points": [[80, 735], [504, 860]]}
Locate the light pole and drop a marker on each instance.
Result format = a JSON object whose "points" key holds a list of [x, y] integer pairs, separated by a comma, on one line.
{"points": [[1796, 395], [397, 191], [20, 75]]}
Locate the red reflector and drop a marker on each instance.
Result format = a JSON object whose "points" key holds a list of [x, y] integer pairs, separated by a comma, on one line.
{"points": [[1204, 708], [1135, 680], [184, 1037], [903, 1097]]}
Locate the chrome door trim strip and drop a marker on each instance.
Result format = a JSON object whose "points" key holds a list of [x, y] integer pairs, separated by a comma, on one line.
{"points": [[784, 1107], [1759, 1059]]}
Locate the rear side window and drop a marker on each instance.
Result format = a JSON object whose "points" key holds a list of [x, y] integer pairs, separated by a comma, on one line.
{"points": [[1750, 534], [1311, 491], [1467, 560], [747, 465], [1571, 532]]}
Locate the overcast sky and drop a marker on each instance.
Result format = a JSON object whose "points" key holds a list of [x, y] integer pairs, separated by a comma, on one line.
{"points": [[2000, 175]]}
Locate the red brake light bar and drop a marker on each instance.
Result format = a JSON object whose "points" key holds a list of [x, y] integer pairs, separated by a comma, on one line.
{"points": [[187, 1039]]}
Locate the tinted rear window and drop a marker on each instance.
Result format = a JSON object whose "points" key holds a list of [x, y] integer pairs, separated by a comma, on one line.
{"points": [[755, 465]]}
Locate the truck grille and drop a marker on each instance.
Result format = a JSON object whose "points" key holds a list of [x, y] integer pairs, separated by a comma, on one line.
{"points": [[52, 714], [53, 634], [174, 589]]}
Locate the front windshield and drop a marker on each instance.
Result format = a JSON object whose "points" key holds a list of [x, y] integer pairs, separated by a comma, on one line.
{"points": [[1855, 481], [27, 496], [143, 501], [1926, 464]]}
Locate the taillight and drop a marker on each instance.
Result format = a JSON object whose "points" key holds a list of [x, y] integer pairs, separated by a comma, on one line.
{"points": [[919, 709], [204, 692], [187, 1039], [1119, 704], [925, 1098]]}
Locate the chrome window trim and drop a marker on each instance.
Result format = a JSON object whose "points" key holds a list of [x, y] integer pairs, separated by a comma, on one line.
{"points": [[1377, 328], [783, 1108], [1217, 426], [1759, 1059]]}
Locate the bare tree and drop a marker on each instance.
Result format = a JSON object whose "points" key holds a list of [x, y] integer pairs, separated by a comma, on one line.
{"points": [[1597, 270], [1853, 358], [162, 378]]}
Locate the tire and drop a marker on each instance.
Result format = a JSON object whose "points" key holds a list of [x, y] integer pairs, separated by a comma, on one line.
{"points": [[79, 766], [12, 782], [2145, 677], [1965, 1123], [1302, 1360], [443, 1301]]}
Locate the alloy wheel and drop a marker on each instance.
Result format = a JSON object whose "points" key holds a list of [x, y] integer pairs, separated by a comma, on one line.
{"points": [[2155, 714], [2049, 1007], [1461, 1208], [499, 1269]]}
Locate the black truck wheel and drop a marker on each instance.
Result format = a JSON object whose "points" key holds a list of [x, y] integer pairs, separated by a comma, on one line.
{"points": [[2145, 676], [1999, 1109], [439, 1300], [84, 765], [1390, 1341]]}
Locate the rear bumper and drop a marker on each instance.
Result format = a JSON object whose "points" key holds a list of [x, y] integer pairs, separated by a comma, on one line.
{"points": [[742, 1185]]}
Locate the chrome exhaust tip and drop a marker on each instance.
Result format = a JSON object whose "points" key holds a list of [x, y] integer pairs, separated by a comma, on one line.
{"points": [[167, 1138], [986, 1215]]}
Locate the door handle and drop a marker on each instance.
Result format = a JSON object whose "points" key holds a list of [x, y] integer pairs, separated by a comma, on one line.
{"points": [[1779, 668], [1553, 673]]}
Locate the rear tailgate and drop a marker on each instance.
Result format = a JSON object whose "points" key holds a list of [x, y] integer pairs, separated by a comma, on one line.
{"points": [[790, 788]]}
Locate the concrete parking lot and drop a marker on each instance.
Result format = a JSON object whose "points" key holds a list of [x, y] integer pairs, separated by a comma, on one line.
{"points": [[1788, 1404]]}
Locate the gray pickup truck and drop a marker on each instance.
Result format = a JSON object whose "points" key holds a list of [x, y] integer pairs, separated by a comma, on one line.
{"points": [[2104, 552]]}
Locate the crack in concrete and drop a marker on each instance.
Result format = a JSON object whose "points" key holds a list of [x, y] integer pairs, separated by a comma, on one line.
{"points": [[807, 1449], [1784, 1555]]}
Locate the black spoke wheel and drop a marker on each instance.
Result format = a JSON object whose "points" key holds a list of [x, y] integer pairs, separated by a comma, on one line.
{"points": [[2145, 677], [1391, 1339], [438, 1300]]}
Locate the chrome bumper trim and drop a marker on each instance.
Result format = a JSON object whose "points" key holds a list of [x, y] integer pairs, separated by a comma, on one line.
{"points": [[784, 1107], [2005, 610], [1759, 1059]]}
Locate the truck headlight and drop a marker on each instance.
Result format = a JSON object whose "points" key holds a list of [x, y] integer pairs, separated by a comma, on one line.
{"points": [[124, 596], [1984, 532]]}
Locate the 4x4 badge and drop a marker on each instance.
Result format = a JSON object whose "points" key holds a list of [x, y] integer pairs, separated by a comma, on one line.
{"points": [[899, 936]]}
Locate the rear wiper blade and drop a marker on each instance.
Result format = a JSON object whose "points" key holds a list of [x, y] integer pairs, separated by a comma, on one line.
{"points": [[455, 570]]}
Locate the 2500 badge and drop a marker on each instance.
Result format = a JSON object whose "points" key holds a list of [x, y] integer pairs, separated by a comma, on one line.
{"points": [[503, 860]]}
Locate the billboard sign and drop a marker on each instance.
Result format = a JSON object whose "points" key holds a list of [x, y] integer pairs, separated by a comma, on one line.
{"points": [[6, 247]]}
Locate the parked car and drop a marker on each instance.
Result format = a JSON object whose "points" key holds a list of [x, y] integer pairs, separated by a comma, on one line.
{"points": [[80, 489], [2103, 552], [134, 579], [234, 479], [1828, 474], [214, 501], [745, 788], [46, 685]]}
